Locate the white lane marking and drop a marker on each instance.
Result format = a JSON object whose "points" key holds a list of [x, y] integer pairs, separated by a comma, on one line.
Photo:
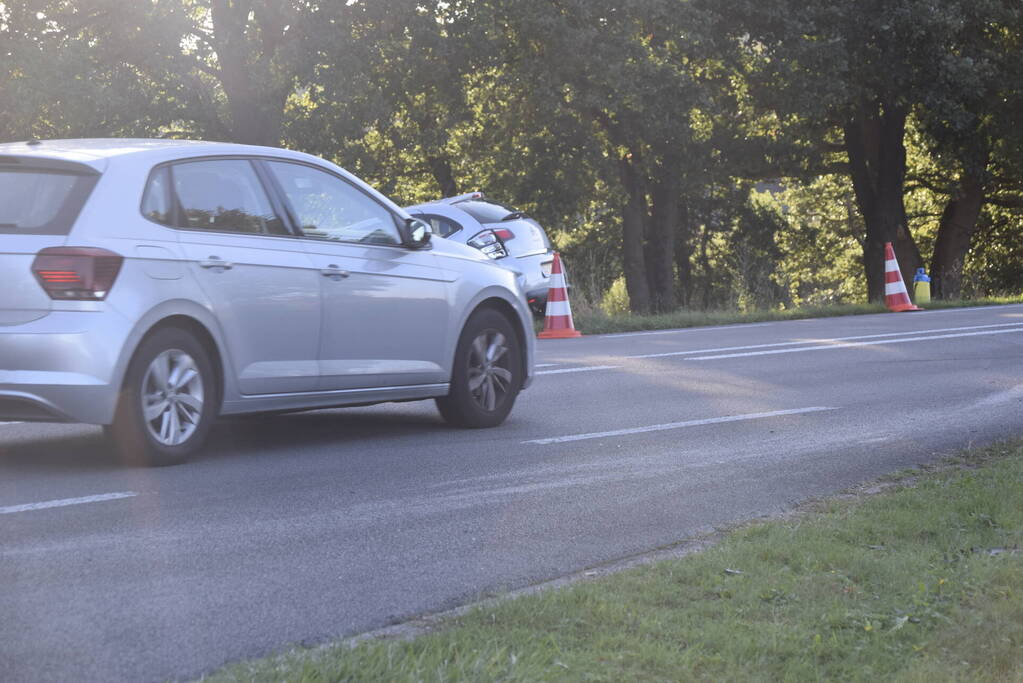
{"points": [[797, 320], [856, 344], [826, 344], [3, 424], [677, 425], [739, 326], [64, 502], [590, 368], [991, 307], [821, 341]]}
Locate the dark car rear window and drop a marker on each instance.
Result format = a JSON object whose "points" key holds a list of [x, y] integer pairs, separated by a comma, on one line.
{"points": [[488, 211], [41, 201]]}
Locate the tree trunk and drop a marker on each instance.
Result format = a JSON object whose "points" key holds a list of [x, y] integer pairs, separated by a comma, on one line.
{"points": [[633, 228], [255, 105], [874, 143], [254, 120], [683, 258], [665, 215], [708, 277], [955, 232], [440, 168]]}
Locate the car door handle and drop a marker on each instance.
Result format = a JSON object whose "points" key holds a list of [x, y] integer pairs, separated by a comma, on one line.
{"points": [[216, 262], [334, 273]]}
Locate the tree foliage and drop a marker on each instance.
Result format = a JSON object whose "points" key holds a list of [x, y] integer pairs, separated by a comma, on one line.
{"points": [[742, 154]]}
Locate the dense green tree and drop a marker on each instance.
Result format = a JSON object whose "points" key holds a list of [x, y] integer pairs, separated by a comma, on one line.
{"points": [[850, 74], [392, 95], [633, 131], [640, 79], [56, 81], [222, 69], [970, 121]]}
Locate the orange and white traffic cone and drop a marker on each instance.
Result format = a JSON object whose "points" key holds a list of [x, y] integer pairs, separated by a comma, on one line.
{"points": [[558, 322], [895, 295]]}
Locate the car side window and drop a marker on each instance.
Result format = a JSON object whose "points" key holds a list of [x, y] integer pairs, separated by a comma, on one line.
{"points": [[329, 208], [445, 227], [224, 195], [156, 205]]}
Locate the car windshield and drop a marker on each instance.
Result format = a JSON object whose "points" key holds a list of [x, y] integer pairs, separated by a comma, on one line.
{"points": [[488, 211]]}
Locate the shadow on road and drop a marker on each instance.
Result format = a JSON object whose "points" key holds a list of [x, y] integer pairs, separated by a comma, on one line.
{"points": [[39, 447], [344, 429], [48, 447]]}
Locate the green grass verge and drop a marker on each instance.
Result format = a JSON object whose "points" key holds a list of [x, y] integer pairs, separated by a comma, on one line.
{"points": [[920, 583], [598, 322]]}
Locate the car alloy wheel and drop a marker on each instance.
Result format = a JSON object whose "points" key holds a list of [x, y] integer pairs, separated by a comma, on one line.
{"points": [[487, 374], [172, 397], [490, 378], [168, 402]]}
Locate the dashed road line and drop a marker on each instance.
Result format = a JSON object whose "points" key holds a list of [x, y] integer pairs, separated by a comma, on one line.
{"points": [[587, 368], [64, 502], [677, 425]]}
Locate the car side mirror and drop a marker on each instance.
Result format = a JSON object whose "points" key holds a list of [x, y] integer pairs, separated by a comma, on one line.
{"points": [[417, 233]]}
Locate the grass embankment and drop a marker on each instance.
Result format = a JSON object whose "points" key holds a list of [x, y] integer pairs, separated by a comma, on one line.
{"points": [[919, 583], [595, 321]]}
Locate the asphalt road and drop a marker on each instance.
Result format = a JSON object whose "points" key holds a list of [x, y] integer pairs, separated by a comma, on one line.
{"points": [[308, 527]]}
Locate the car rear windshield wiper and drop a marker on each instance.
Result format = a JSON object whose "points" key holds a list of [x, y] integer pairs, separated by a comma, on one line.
{"points": [[514, 215]]}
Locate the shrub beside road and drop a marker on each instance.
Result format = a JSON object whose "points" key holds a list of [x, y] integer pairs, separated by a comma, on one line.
{"points": [[917, 577]]}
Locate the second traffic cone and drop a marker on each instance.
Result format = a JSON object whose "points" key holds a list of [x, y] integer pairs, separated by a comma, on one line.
{"points": [[558, 322], [896, 298]]}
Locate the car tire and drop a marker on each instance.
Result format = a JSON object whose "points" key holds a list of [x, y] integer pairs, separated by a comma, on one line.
{"points": [[168, 401], [487, 374]]}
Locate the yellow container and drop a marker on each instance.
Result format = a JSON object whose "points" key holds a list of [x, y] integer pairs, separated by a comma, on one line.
{"points": [[921, 292]]}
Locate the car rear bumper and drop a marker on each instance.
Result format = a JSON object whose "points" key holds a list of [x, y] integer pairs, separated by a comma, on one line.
{"points": [[61, 368], [537, 298]]}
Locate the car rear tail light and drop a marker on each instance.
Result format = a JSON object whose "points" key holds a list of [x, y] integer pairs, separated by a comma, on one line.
{"points": [[505, 234], [77, 273], [489, 243]]}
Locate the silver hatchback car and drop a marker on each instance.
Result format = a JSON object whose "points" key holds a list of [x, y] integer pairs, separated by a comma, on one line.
{"points": [[499, 231], [152, 285]]}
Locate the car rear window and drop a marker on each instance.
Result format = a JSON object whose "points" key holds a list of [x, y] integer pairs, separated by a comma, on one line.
{"points": [[41, 201], [488, 211]]}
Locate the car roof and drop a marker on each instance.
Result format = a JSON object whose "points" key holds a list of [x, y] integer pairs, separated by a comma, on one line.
{"points": [[447, 210], [95, 151], [99, 152]]}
